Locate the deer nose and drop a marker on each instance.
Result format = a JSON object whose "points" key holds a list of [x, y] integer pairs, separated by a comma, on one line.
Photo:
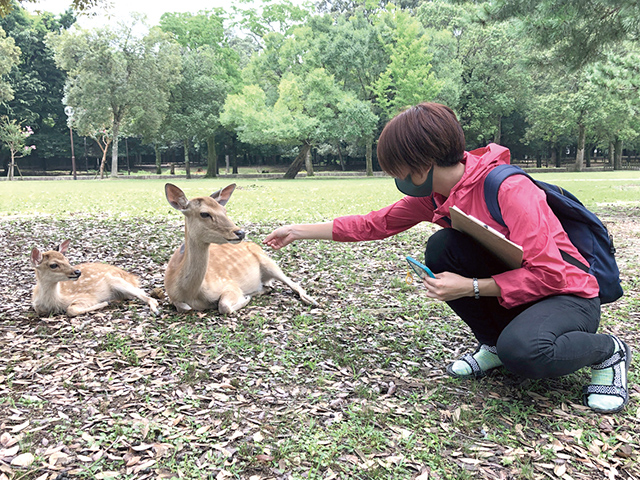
{"points": [[240, 234], [77, 273]]}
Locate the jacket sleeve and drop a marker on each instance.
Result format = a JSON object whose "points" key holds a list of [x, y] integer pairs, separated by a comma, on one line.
{"points": [[533, 225], [383, 223]]}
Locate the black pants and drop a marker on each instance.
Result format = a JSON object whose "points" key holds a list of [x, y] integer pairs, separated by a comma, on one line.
{"points": [[548, 338]]}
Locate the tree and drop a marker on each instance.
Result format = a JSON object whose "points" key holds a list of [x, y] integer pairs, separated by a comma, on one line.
{"points": [[14, 136], [408, 78], [7, 6], [577, 31], [112, 72], [9, 55], [209, 73], [351, 49], [495, 81], [308, 110], [37, 82], [618, 82]]}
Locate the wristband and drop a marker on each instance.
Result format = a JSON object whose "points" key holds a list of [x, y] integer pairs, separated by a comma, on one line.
{"points": [[476, 289]]}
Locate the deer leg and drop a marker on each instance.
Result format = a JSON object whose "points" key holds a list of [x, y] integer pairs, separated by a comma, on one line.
{"points": [[127, 290], [273, 271], [74, 310], [232, 299], [182, 307]]}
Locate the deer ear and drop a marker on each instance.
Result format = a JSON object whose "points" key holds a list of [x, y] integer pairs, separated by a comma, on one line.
{"points": [[223, 196], [176, 197], [62, 248], [36, 257]]}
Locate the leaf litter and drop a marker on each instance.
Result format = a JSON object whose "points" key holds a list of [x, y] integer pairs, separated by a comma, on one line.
{"points": [[353, 389]]}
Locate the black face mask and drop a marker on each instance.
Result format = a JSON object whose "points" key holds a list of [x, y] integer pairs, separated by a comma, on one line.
{"points": [[407, 187]]}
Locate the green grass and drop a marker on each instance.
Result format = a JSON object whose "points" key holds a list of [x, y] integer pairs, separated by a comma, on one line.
{"points": [[266, 200]]}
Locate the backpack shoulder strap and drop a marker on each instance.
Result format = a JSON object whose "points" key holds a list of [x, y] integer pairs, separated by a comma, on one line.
{"points": [[492, 184]]}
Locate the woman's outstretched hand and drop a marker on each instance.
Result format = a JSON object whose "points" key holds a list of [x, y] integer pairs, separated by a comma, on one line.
{"points": [[283, 236], [280, 237]]}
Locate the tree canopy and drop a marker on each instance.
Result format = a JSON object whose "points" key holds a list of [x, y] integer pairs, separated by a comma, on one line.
{"points": [[112, 73], [280, 79]]}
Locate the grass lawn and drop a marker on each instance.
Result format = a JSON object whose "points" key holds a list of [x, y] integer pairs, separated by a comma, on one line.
{"points": [[354, 389]]}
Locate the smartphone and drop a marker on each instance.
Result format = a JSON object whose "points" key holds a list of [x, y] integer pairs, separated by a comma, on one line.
{"points": [[420, 269]]}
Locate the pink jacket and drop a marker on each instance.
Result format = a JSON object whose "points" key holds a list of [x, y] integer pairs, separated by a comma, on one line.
{"points": [[530, 223]]}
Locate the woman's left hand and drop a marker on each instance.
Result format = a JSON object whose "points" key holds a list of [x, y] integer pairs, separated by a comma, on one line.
{"points": [[448, 286]]}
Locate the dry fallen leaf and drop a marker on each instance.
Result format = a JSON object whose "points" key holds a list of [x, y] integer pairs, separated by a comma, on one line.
{"points": [[23, 460], [6, 440], [19, 428], [10, 452], [106, 475], [560, 470], [58, 458]]}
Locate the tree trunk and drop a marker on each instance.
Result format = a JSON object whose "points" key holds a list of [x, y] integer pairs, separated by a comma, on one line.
{"points": [[158, 160], [103, 162], [580, 150], [611, 153], [309, 164], [296, 165], [186, 158], [234, 156], [11, 165], [369, 158], [114, 150], [126, 150], [554, 154], [498, 136], [342, 165], [617, 158], [212, 158]]}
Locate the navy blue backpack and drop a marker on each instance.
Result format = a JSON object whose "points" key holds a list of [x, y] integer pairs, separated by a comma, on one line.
{"points": [[585, 230]]}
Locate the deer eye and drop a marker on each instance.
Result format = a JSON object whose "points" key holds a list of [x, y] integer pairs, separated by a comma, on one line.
{"points": [[205, 215], [53, 265]]}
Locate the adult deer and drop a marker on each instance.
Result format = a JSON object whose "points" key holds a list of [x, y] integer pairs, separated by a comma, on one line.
{"points": [[74, 290], [213, 265]]}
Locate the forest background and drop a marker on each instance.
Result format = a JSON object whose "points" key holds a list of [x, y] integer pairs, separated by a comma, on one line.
{"points": [[263, 85]]}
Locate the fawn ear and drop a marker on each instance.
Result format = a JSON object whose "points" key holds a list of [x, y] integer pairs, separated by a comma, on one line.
{"points": [[36, 257], [223, 196], [176, 197], [62, 248]]}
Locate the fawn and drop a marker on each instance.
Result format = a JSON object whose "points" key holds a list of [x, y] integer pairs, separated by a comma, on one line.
{"points": [[214, 265], [61, 287]]}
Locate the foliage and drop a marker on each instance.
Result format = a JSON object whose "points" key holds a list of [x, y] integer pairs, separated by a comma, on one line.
{"points": [[270, 16], [408, 78], [9, 55], [308, 110], [37, 81], [14, 136], [332, 77], [8, 6], [112, 72], [209, 71], [577, 31], [351, 49]]}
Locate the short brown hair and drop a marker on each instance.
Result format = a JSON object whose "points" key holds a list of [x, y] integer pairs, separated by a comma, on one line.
{"points": [[420, 136]]}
